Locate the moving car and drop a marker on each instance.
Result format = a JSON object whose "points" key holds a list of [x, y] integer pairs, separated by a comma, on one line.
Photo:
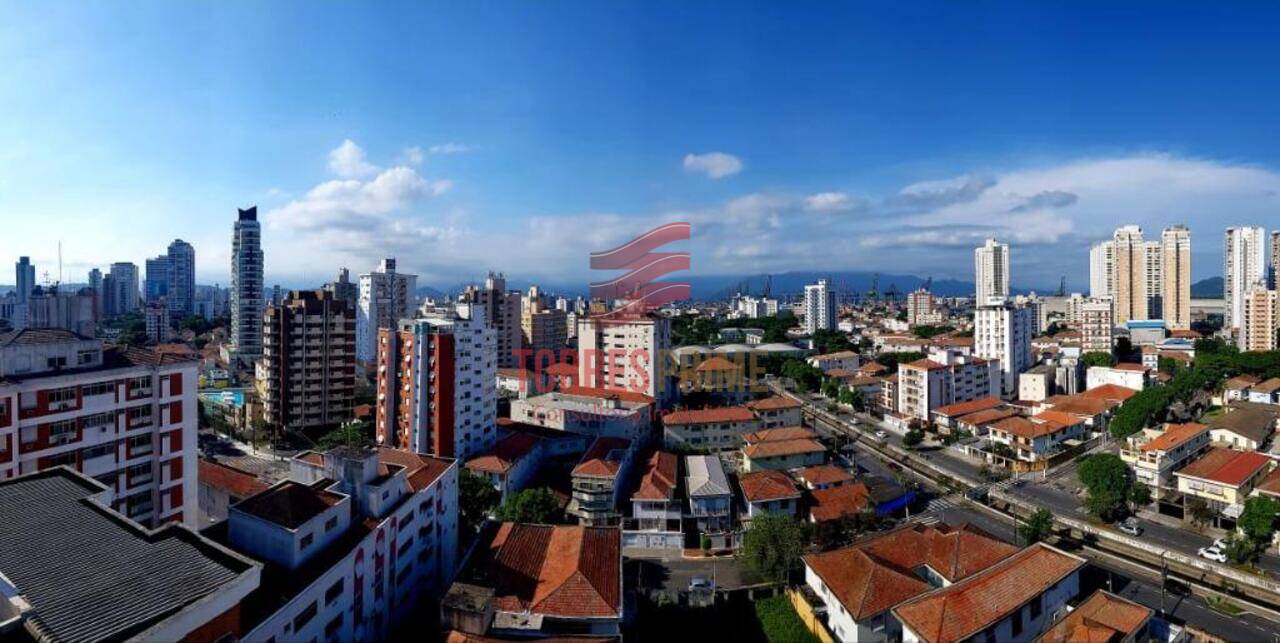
{"points": [[1212, 553], [1130, 526]]}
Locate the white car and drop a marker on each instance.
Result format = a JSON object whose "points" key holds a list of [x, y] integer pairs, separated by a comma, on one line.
{"points": [[1220, 544], [1212, 553], [882, 435]]}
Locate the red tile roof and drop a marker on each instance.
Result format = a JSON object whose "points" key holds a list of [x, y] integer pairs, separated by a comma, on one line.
{"points": [[1025, 428], [766, 486], [1241, 382], [563, 369], [774, 403], [1173, 436], [1270, 485], [557, 570], [1225, 466], [1080, 405], [924, 364], [1062, 420], [782, 448], [824, 474], [716, 364], [505, 454], [958, 611], [659, 479], [1102, 618], [872, 577], [421, 470], [608, 394], [1110, 392], [988, 416], [603, 459], [844, 501], [781, 433], [965, 408], [709, 416], [1128, 366], [233, 481]]}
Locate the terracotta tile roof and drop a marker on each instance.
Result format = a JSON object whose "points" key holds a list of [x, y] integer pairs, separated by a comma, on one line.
{"points": [[958, 611], [834, 356], [1225, 466], [924, 364], [781, 433], [782, 448], [311, 457], [847, 500], [1110, 392], [608, 393], [1057, 417], [659, 479], [562, 369], [505, 454], [767, 485], [1173, 436], [233, 481], [1030, 428], [840, 373], [557, 570], [1241, 382], [988, 416], [872, 577], [709, 416], [421, 470], [515, 372], [873, 368], [824, 474], [1127, 366], [1080, 405], [1254, 421], [289, 504], [773, 403], [1270, 485], [1102, 618], [1268, 386], [965, 408], [861, 380], [603, 459]]}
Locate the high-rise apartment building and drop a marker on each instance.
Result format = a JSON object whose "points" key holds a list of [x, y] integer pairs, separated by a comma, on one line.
{"points": [[123, 416], [95, 282], [306, 378], [181, 291], [1153, 258], [125, 294], [386, 297], [345, 289], [437, 385], [819, 307], [1175, 254], [991, 272], [1274, 272], [156, 283], [1243, 256], [944, 377], [922, 308], [1101, 265], [1259, 320], [1129, 274], [543, 329], [1096, 323], [54, 307], [156, 316], [503, 310], [1003, 332], [246, 289], [24, 278], [627, 354]]}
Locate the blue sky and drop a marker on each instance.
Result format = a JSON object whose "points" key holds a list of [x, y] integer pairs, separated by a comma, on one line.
{"points": [[521, 136]]}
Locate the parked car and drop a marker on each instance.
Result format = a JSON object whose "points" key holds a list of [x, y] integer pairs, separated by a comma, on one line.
{"points": [[882, 435], [700, 584], [1130, 526], [1219, 544], [1212, 553]]}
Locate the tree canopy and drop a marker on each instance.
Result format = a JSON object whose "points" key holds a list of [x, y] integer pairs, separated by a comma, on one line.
{"points": [[1096, 358], [476, 498], [535, 505], [1107, 479], [1037, 527], [772, 546], [1258, 520]]}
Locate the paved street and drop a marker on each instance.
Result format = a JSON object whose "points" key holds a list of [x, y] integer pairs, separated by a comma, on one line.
{"points": [[672, 574]]}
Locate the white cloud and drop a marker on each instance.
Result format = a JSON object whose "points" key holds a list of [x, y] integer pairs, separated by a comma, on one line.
{"points": [[450, 148], [830, 202], [716, 165], [347, 161], [412, 155]]}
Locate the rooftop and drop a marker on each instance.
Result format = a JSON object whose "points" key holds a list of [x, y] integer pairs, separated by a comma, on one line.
{"points": [[290, 504], [824, 474], [505, 454], [1103, 617], [766, 486], [704, 476], [1225, 466], [1254, 421], [1112, 392], [603, 458], [74, 572], [843, 501], [624, 395], [709, 416], [659, 479], [969, 606], [782, 448], [233, 481], [558, 571], [773, 403], [965, 408], [781, 433], [1174, 435]]}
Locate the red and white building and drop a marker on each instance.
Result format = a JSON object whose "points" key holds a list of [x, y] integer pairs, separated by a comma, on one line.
{"points": [[125, 417], [437, 385]]}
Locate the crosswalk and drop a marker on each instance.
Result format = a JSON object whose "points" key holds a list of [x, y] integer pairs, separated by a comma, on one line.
{"points": [[932, 512]]}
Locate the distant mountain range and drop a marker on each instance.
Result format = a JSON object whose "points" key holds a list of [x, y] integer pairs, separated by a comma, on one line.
{"points": [[1210, 288]]}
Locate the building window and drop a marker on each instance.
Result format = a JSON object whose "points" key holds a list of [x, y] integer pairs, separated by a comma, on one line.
{"points": [[300, 621], [62, 432], [330, 524], [332, 594], [1037, 607], [305, 542], [1017, 622], [331, 629]]}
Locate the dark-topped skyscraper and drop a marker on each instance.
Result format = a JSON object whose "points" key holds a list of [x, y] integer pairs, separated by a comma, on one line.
{"points": [[246, 289]]}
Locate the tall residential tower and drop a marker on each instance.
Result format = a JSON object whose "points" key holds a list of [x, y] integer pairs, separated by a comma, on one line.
{"points": [[246, 288]]}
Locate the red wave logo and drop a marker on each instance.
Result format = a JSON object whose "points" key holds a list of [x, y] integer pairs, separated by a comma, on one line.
{"points": [[638, 286]]}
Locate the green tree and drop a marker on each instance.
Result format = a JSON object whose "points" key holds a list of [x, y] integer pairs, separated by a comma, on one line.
{"points": [[1096, 359], [1037, 527], [352, 434], [913, 438], [929, 332], [831, 387], [535, 505], [806, 377], [1139, 494], [1241, 549], [476, 498], [1107, 479], [1258, 520], [1198, 511], [772, 546], [891, 360]]}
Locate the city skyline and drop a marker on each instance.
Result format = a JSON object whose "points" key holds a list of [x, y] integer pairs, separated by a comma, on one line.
{"points": [[814, 157]]}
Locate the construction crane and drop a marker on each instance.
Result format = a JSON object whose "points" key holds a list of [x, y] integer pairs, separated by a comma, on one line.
{"points": [[892, 294], [873, 295]]}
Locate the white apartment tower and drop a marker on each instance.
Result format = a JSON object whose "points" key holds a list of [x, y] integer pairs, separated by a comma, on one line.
{"points": [[625, 354], [1101, 263], [991, 272], [504, 312], [386, 297], [1243, 257], [1129, 274], [1003, 332], [1175, 254], [819, 307], [246, 288], [1096, 322]]}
